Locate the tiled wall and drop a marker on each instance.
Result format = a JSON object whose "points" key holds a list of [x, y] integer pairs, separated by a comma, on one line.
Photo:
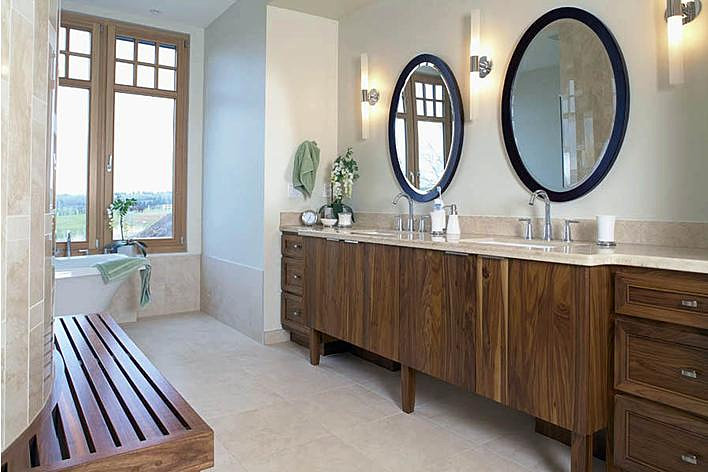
{"points": [[233, 294], [27, 277], [174, 286]]}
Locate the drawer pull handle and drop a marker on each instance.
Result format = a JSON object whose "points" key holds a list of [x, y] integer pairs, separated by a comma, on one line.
{"points": [[689, 303], [296, 313], [296, 246], [689, 373], [689, 459], [296, 276]]}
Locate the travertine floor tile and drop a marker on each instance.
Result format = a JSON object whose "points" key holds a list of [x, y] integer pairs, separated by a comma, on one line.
{"points": [[404, 442], [322, 455], [272, 411], [252, 436], [475, 418], [477, 460], [345, 407]]}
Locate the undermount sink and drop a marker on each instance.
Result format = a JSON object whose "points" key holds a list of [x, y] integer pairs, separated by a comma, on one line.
{"points": [[542, 245], [373, 233]]}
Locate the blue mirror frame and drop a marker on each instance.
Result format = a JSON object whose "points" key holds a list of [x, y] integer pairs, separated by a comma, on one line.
{"points": [[619, 68]]}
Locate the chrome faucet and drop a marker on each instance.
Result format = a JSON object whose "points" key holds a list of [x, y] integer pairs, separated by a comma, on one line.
{"points": [[410, 220], [547, 227], [68, 244]]}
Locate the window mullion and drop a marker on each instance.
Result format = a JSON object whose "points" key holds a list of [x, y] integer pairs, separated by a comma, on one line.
{"points": [[107, 171]]}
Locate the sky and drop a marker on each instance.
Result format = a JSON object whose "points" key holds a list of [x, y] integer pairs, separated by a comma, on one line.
{"points": [[143, 142]]}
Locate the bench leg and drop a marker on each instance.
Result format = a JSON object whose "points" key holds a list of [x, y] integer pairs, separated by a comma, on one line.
{"points": [[407, 389], [315, 342], [581, 453]]}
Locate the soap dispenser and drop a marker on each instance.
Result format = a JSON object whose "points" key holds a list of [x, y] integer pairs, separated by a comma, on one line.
{"points": [[453, 222], [437, 216]]}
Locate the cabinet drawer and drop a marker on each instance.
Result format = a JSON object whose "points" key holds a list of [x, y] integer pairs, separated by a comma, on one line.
{"points": [[293, 309], [664, 296], [292, 246], [662, 362], [651, 437], [293, 272]]}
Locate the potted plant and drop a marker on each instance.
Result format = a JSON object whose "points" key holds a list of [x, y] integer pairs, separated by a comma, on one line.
{"points": [[120, 208], [345, 171]]}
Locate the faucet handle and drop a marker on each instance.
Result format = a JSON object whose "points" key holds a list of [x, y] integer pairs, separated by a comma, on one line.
{"points": [[528, 228], [421, 223], [567, 232], [398, 222]]}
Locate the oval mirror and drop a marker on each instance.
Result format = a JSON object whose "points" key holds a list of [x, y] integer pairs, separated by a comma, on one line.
{"points": [[425, 127], [565, 104]]}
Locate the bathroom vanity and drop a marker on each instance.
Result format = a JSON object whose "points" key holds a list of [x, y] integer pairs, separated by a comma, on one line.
{"points": [[521, 327], [582, 338]]}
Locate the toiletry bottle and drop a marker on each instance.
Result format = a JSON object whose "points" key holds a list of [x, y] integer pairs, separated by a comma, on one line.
{"points": [[437, 216], [453, 222]]}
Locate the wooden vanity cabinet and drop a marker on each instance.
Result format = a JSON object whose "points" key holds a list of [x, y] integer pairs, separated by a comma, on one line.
{"points": [[661, 370], [352, 293], [491, 336], [544, 300], [293, 315], [558, 343], [438, 319]]}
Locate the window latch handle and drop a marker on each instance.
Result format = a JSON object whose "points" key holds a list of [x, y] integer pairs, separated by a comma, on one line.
{"points": [[109, 163]]}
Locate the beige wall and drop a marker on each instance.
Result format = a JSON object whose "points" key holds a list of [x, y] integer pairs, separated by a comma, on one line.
{"points": [[301, 76], [662, 168], [28, 28]]}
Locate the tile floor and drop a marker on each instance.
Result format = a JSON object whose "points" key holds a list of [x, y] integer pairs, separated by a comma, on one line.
{"points": [[272, 411]]}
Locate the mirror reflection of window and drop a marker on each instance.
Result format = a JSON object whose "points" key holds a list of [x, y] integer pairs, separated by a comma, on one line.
{"points": [[424, 130]]}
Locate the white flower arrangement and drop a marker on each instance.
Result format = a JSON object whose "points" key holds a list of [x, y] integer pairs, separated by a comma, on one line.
{"points": [[345, 171]]}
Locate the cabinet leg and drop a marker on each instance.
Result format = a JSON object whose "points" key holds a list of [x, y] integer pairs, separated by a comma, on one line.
{"points": [[315, 342], [581, 453], [407, 389]]}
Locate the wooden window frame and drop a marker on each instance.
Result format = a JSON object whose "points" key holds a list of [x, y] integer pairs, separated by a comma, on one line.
{"points": [[103, 89]]}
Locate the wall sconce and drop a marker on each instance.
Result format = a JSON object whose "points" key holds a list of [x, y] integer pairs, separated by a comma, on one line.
{"points": [[480, 66], [678, 13], [369, 97]]}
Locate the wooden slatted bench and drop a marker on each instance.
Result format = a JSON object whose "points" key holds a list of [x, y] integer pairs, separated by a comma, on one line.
{"points": [[110, 410]]}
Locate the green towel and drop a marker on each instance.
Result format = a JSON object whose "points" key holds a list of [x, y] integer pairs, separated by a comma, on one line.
{"points": [[119, 269], [307, 159]]}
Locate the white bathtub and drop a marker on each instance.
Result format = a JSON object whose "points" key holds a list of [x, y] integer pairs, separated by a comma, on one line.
{"points": [[79, 287]]}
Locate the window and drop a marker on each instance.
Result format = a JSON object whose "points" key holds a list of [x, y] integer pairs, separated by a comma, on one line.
{"points": [[121, 133]]}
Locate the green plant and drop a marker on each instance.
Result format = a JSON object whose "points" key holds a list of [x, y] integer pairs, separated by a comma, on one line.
{"points": [[345, 171], [120, 207]]}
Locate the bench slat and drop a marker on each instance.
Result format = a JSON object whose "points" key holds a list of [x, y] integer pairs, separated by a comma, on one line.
{"points": [[180, 404], [144, 422], [157, 404], [69, 418], [115, 412], [49, 452], [99, 436]]}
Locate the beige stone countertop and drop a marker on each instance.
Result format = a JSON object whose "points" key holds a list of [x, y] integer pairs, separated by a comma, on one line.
{"points": [[576, 253]]}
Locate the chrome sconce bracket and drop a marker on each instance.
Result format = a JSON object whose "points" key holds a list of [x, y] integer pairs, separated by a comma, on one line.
{"points": [[370, 96], [481, 64], [689, 10]]}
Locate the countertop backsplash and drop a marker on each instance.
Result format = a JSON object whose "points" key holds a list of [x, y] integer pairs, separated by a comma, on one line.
{"points": [[654, 233]]}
